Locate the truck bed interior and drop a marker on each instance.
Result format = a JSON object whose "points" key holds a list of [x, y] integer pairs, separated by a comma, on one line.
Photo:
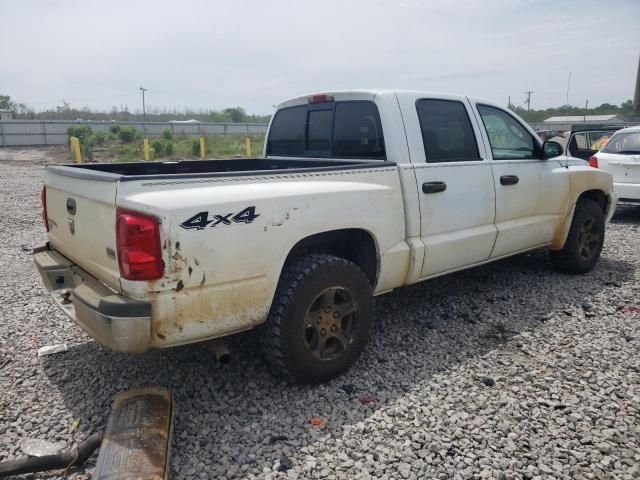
{"points": [[125, 171]]}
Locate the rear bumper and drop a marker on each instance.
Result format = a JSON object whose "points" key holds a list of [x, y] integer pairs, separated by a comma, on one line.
{"points": [[115, 321], [627, 192]]}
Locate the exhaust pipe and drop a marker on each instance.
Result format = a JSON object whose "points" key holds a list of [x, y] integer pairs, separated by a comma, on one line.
{"points": [[57, 461], [219, 350]]}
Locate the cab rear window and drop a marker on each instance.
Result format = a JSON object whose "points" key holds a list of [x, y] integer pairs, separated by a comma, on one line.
{"points": [[624, 143], [331, 129]]}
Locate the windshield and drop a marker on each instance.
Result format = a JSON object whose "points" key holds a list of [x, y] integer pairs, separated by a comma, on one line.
{"points": [[623, 143]]}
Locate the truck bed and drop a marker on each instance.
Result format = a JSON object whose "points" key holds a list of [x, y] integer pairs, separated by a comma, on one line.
{"points": [[205, 168]]}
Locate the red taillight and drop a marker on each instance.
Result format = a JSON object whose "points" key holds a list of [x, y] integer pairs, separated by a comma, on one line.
{"points": [[138, 245], [43, 202], [593, 161]]}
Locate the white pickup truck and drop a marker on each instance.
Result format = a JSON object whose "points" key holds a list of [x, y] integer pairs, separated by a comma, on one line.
{"points": [[358, 193]]}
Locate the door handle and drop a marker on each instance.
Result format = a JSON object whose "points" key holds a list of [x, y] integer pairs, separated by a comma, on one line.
{"points": [[433, 187], [509, 179]]}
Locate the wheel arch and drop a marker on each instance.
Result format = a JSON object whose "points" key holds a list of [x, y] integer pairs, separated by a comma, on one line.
{"points": [[354, 244], [600, 197]]}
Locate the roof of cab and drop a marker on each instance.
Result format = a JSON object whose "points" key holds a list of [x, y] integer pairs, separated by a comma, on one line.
{"points": [[342, 95]]}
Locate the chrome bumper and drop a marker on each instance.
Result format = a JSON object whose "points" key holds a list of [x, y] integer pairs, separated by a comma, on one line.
{"points": [[115, 321]]}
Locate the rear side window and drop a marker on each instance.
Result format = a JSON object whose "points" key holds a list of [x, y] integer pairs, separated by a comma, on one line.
{"points": [[446, 131], [332, 129]]}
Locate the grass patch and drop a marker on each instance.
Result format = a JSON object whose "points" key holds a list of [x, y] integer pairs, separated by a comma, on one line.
{"points": [[180, 147]]}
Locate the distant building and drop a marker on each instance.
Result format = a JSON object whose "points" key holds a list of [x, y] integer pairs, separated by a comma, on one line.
{"points": [[573, 119], [5, 115]]}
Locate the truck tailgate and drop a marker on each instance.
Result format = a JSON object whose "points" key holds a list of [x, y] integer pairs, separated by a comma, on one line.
{"points": [[82, 216]]}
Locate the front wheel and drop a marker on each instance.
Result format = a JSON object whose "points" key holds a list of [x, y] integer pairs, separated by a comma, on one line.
{"points": [[319, 320], [585, 240]]}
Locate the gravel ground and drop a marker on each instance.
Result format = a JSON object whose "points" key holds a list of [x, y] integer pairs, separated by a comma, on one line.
{"points": [[506, 371]]}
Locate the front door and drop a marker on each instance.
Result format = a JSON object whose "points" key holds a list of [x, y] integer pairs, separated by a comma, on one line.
{"points": [[531, 193], [455, 183]]}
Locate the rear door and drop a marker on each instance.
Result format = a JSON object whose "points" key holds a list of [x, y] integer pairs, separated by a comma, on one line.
{"points": [[457, 197], [82, 216], [621, 158], [531, 193]]}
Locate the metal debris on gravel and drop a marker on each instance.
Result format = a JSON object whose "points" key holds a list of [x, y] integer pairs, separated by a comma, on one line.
{"points": [[510, 370]]}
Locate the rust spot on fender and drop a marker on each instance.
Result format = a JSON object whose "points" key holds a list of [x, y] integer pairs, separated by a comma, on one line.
{"points": [[204, 277], [177, 245], [190, 270], [179, 286]]}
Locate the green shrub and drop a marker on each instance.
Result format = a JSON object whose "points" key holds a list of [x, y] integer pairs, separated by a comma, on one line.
{"points": [[111, 137], [80, 132], [166, 134], [169, 148], [158, 148], [115, 129], [99, 137], [127, 134], [86, 146], [195, 147]]}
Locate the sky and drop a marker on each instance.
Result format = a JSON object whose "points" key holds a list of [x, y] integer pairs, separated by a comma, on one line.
{"points": [[216, 54]]}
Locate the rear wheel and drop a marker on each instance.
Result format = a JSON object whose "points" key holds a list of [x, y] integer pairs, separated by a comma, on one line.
{"points": [[319, 320], [584, 242]]}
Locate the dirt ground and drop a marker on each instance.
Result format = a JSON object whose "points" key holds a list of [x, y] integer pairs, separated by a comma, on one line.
{"points": [[36, 155]]}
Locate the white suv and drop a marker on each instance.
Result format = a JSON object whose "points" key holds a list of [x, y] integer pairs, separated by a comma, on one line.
{"points": [[621, 157]]}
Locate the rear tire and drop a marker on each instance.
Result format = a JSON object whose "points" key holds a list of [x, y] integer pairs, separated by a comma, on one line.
{"points": [[584, 242], [319, 320]]}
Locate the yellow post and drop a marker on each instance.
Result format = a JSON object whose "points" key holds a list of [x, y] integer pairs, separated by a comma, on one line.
{"points": [[247, 146], [75, 148], [202, 148], [145, 148]]}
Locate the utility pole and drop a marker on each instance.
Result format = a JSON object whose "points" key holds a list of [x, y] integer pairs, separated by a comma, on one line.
{"points": [[144, 110], [586, 108], [509, 104], [528, 100], [636, 96], [568, 86]]}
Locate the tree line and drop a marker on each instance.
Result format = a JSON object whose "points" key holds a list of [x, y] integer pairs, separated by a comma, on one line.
{"points": [[538, 116], [123, 114], [239, 115]]}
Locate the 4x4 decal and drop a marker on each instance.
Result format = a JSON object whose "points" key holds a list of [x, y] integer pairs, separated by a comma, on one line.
{"points": [[201, 220]]}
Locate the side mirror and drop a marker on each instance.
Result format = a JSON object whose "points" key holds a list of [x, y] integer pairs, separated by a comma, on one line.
{"points": [[551, 149]]}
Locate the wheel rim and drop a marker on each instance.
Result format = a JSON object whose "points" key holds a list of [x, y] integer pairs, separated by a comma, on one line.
{"points": [[589, 239], [331, 323]]}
